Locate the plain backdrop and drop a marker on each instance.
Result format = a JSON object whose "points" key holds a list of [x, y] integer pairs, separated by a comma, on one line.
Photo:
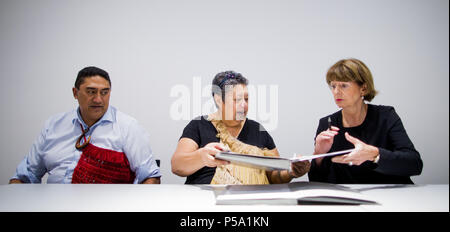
{"points": [[150, 47]]}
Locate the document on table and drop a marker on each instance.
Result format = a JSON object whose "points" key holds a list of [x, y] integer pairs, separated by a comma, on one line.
{"points": [[290, 194]]}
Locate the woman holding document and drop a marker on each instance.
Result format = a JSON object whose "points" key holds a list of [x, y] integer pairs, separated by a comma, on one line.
{"points": [[227, 129], [383, 151]]}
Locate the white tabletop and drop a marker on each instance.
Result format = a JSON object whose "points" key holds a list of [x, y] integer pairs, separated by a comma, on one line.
{"points": [[189, 198]]}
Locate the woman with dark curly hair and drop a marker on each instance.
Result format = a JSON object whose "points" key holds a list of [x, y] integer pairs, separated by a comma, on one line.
{"points": [[228, 129]]}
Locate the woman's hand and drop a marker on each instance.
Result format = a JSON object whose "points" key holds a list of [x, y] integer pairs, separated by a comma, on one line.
{"points": [[362, 153], [324, 140], [299, 169], [189, 158], [208, 152]]}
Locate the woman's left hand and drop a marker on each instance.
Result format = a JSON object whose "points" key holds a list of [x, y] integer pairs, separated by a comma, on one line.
{"points": [[362, 153], [299, 168]]}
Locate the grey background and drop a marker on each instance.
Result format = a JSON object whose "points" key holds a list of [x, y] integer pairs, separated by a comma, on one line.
{"points": [[148, 47]]}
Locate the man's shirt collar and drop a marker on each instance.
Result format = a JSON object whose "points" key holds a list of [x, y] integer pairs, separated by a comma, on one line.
{"points": [[107, 117]]}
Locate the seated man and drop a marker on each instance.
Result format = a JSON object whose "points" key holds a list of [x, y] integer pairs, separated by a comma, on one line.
{"points": [[94, 143]]}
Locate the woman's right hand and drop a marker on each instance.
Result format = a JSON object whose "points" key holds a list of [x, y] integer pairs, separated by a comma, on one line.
{"points": [[208, 152], [324, 140]]}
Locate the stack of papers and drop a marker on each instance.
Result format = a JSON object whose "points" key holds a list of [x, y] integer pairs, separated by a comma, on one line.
{"points": [[290, 194]]}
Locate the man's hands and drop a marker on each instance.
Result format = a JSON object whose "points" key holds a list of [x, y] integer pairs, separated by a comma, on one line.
{"points": [[152, 180], [15, 181]]}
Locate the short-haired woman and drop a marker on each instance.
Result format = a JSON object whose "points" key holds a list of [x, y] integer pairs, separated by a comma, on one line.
{"points": [[227, 129], [383, 151]]}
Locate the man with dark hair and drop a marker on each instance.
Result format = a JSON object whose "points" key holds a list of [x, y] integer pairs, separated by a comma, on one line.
{"points": [[94, 143], [90, 72]]}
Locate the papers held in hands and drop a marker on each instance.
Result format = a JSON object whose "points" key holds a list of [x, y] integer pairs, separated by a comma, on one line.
{"points": [[270, 163]]}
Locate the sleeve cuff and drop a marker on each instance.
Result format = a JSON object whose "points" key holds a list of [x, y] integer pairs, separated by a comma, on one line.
{"points": [[145, 171], [23, 174]]}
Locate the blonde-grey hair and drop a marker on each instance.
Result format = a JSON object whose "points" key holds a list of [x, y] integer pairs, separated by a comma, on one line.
{"points": [[348, 70]]}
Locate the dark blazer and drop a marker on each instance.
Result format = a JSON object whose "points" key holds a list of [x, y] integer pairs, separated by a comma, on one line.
{"points": [[382, 128]]}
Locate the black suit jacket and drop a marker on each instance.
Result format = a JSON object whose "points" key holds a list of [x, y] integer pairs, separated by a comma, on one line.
{"points": [[382, 128]]}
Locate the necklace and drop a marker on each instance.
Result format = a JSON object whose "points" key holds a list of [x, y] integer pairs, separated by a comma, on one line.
{"points": [[83, 135]]}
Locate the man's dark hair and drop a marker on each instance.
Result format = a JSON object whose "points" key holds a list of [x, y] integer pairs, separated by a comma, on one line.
{"points": [[226, 78], [90, 72]]}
